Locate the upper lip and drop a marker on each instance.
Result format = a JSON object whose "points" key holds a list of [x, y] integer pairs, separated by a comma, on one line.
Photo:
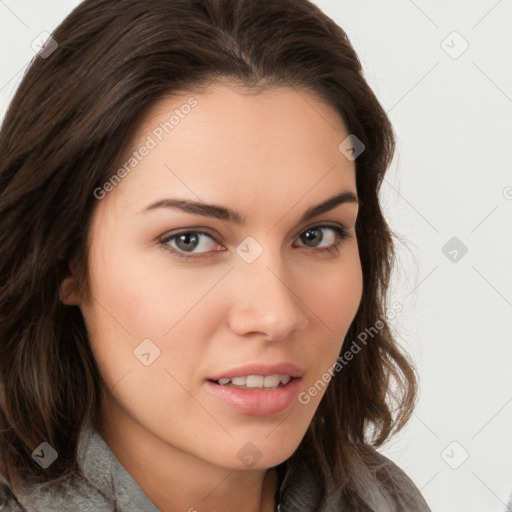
{"points": [[260, 369]]}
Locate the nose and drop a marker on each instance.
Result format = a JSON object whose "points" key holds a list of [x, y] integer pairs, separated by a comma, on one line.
{"points": [[264, 301]]}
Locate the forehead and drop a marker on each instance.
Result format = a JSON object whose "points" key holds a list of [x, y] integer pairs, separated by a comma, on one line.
{"points": [[226, 145]]}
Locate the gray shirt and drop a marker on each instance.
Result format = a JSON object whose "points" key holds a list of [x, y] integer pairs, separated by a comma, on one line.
{"points": [[105, 486]]}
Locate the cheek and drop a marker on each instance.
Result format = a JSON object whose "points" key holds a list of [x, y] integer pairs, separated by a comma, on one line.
{"points": [[334, 296], [334, 299], [136, 290], [136, 298], [139, 315]]}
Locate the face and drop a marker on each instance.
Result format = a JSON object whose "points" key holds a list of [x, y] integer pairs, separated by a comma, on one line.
{"points": [[185, 299]]}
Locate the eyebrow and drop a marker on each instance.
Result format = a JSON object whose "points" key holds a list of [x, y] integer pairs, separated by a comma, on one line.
{"points": [[226, 214]]}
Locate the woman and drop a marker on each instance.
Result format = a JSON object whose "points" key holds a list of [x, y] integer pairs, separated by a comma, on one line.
{"points": [[194, 267]]}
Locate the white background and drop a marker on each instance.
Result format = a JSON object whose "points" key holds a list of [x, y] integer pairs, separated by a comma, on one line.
{"points": [[451, 178]]}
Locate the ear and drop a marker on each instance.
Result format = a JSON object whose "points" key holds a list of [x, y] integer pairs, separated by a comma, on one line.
{"points": [[68, 293]]}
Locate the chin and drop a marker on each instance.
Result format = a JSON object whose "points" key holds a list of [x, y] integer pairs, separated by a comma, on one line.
{"points": [[263, 451]]}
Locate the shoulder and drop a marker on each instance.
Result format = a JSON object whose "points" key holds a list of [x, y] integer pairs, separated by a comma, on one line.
{"points": [[8, 502], [410, 496], [73, 493], [382, 486], [98, 482]]}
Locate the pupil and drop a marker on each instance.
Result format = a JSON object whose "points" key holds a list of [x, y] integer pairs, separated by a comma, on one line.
{"points": [[186, 238], [311, 234]]}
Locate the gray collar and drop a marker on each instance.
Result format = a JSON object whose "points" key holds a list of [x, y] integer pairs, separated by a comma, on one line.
{"points": [[102, 469], [102, 486]]}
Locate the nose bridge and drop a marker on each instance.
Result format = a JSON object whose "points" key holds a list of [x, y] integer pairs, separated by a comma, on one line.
{"points": [[265, 301]]}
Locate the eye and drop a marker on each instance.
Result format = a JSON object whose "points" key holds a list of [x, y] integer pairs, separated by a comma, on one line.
{"points": [[194, 244], [333, 241], [188, 241]]}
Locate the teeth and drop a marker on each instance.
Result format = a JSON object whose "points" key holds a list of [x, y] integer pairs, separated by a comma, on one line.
{"points": [[256, 381], [285, 379], [271, 381]]}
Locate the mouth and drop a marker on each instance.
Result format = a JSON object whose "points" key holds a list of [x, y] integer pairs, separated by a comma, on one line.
{"points": [[257, 390], [255, 382]]}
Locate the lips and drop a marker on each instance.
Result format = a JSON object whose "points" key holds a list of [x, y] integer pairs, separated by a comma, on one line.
{"points": [[257, 389], [261, 370]]}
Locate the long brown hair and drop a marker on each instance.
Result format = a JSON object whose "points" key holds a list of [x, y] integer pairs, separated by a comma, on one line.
{"points": [[66, 131]]}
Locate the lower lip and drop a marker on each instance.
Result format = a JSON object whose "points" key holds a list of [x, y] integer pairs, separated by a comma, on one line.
{"points": [[257, 402]]}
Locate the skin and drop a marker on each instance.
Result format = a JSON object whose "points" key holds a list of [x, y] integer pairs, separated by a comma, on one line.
{"points": [[269, 156]]}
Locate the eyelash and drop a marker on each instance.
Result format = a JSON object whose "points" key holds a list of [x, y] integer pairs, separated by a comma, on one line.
{"points": [[341, 234]]}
